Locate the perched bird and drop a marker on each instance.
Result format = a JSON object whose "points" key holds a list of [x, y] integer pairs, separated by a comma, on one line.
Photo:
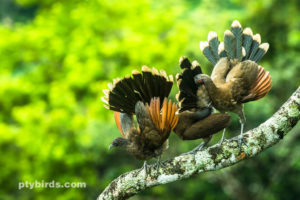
{"points": [[144, 95], [195, 112], [236, 77]]}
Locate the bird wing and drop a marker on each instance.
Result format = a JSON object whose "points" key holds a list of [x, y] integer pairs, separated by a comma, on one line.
{"points": [[118, 122], [261, 86], [206, 127], [241, 78], [124, 123], [220, 71]]}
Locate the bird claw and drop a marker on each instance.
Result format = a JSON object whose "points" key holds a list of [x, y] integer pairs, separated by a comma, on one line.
{"points": [[158, 164], [223, 140], [197, 148], [241, 141]]}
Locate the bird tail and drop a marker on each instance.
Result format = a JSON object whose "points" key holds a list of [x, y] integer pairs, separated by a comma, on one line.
{"points": [[238, 45], [187, 95], [164, 118], [124, 93]]}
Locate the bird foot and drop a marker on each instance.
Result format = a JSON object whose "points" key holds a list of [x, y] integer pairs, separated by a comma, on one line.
{"points": [[144, 168], [223, 140], [197, 148], [158, 164], [241, 141]]}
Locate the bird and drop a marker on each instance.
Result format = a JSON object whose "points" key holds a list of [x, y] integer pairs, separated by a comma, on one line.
{"points": [[145, 96], [196, 119], [236, 77]]}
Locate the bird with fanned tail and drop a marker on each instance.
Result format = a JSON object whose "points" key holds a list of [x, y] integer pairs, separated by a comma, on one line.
{"points": [[196, 119], [236, 78], [145, 96]]}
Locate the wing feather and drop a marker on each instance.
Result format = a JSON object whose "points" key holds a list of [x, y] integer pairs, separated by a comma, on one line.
{"points": [[261, 86], [118, 122]]}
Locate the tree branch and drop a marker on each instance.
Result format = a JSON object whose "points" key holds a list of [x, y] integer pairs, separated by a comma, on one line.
{"points": [[213, 158]]}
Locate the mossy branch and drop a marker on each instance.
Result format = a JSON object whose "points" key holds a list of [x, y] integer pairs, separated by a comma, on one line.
{"points": [[213, 158]]}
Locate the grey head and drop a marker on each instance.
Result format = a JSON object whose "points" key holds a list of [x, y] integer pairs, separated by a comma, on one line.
{"points": [[201, 79], [119, 142]]}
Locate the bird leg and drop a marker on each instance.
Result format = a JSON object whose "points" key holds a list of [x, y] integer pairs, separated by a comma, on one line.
{"points": [[158, 163], [242, 121], [240, 137], [242, 128], [223, 137], [145, 168]]}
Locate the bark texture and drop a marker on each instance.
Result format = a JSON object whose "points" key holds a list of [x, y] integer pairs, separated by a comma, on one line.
{"points": [[213, 158]]}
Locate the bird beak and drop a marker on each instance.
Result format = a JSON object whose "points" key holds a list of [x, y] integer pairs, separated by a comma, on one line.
{"points": [[110, 146]]}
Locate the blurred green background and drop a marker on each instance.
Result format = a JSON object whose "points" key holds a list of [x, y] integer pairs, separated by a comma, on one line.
{"points": [[57, 56]]}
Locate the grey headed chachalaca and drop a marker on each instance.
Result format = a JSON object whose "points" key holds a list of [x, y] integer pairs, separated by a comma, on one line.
{"points": [[144, 95], [236, 77], [195, 112]]}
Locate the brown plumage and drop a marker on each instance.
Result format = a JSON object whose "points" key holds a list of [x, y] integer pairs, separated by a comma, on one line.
{"points": [[195, 118], [236, 77], [191, 127], [150, 138], [144, 95]]}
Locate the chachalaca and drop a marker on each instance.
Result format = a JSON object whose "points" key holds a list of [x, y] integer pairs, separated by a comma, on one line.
{"points": [[236, 77], [195, 118], [145, 95]]}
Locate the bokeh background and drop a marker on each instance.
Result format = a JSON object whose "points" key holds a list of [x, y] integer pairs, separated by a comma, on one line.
{"points": [[57, 56]]}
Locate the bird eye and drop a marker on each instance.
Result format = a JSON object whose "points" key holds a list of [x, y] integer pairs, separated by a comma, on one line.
{"points": [[200, 81]]}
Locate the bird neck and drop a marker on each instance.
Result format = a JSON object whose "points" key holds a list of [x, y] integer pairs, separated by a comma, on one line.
{"points": [[210, 86]]}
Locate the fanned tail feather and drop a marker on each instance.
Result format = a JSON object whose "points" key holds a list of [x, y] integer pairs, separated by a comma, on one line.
{"points": [[187, 95], [238, 44], [124, 93], [237, 30], [254, 47], [204, 46], [221, 50], [247, 41], [213, 42], [230, 44]]}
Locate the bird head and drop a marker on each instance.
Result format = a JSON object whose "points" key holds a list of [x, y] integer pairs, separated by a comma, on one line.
{"points": [[201, 79], [119, 142]]}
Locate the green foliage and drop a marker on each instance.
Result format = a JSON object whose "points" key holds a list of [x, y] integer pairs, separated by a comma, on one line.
{"points": [[55, 63]]}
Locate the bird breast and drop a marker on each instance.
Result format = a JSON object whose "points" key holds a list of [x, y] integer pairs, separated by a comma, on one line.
{"points": [[203, 97], [222, 99]]}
